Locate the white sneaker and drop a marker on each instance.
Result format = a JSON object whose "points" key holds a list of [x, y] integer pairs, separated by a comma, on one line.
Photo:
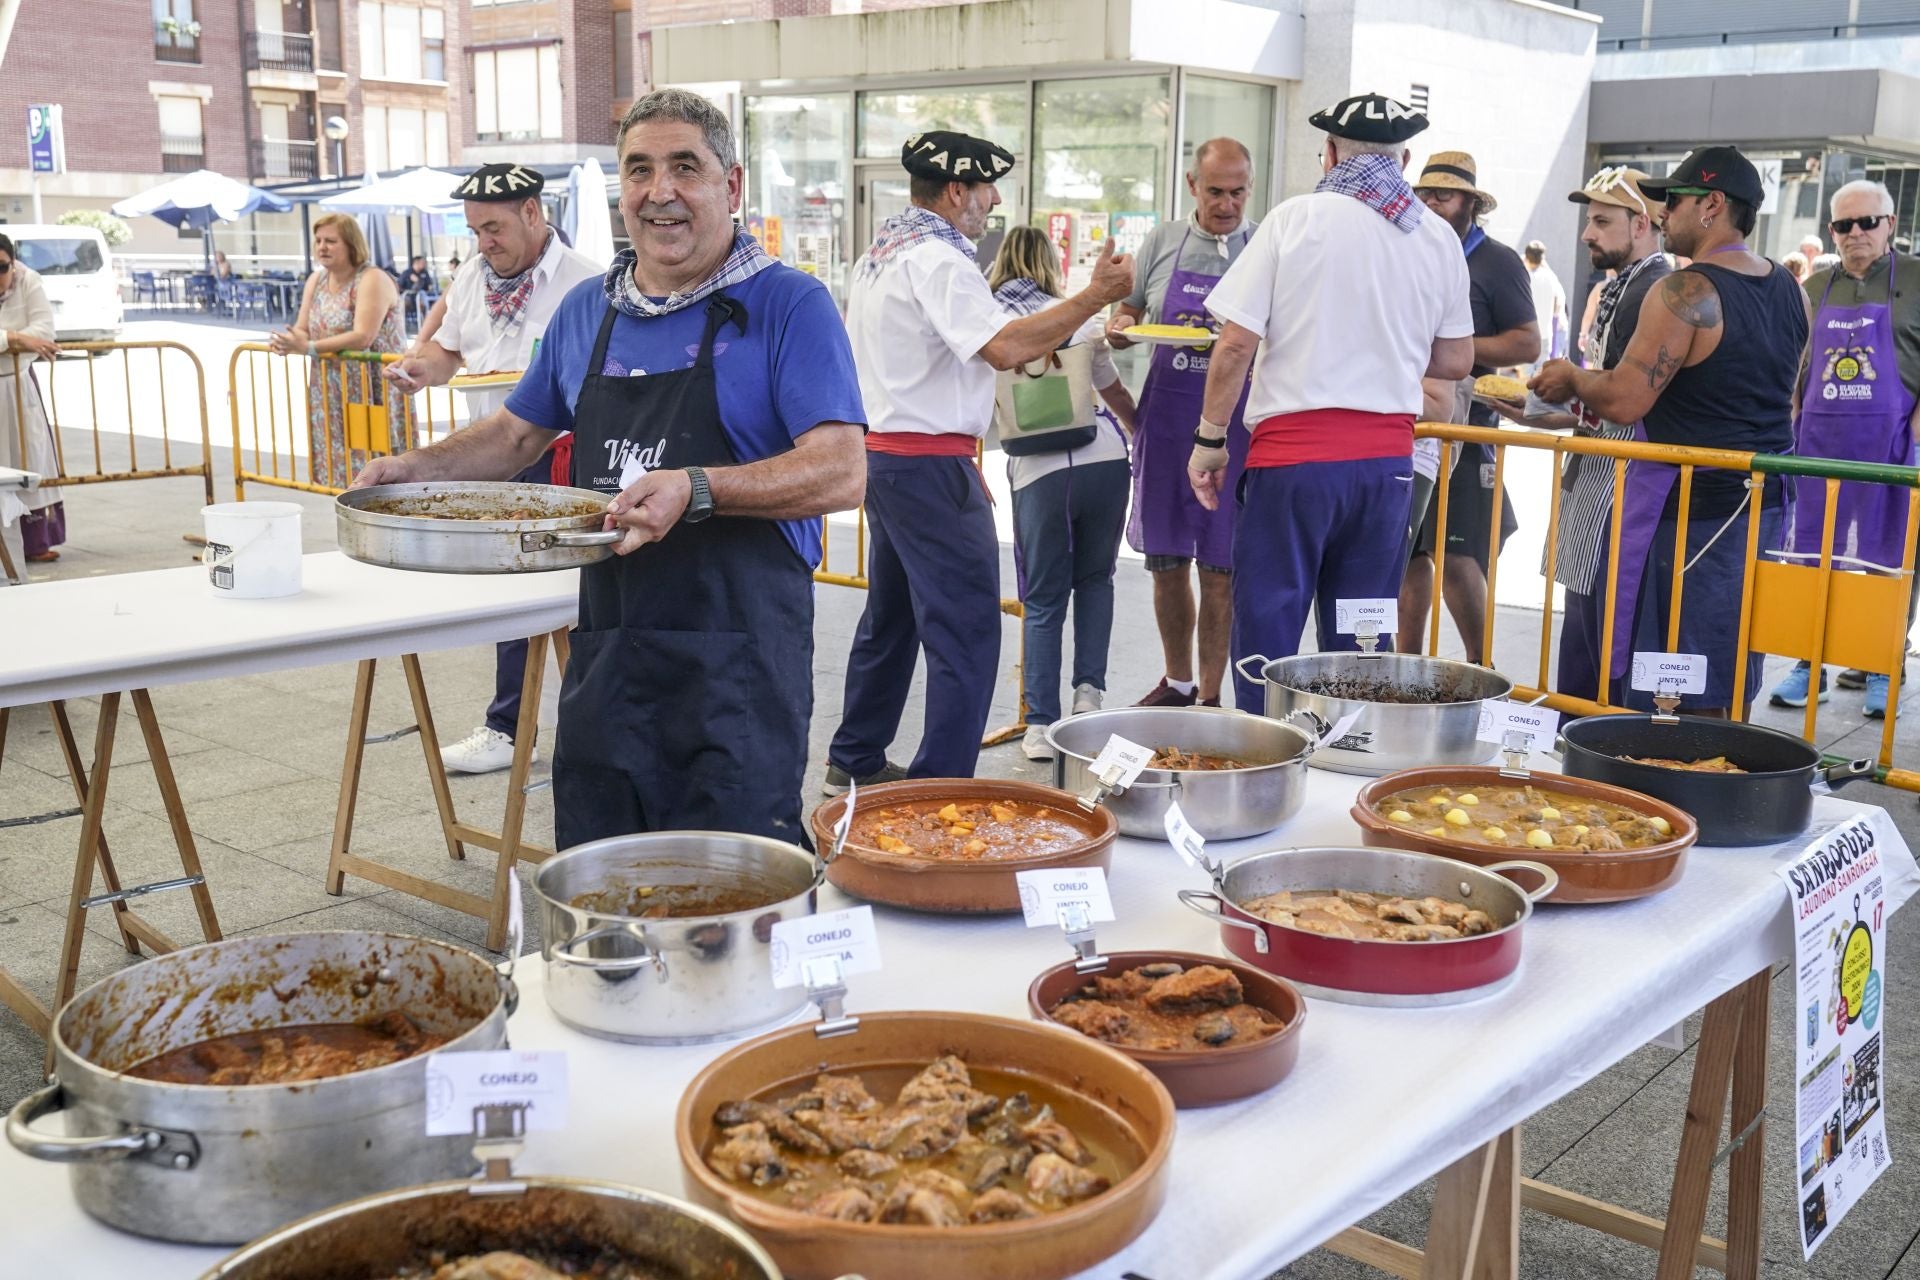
{"points": [[1035, 744], [1085, 698], [482, 751]]}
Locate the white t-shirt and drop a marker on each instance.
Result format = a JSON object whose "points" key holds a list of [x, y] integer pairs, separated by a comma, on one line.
{"points": [[917, 326], [1109, 444], [1347, 305], [468, 332]]}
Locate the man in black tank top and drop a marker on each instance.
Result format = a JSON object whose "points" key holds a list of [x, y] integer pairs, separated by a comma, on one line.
{"points": [[1712, 364]]}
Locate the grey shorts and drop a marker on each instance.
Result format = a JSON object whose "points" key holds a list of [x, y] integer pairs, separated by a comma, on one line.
{"points": [[1161, 564]]}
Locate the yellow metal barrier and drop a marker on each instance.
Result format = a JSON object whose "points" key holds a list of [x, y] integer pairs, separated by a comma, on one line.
{"points": [[64, 375], [1814, 611]]}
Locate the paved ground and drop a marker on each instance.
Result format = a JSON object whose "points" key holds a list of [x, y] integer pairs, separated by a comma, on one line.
{"points": [[257, 760]]}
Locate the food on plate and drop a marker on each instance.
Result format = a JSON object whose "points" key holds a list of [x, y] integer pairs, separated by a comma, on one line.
{"points": [[975, 830], [468, 506], [1376, 690], [1534, 817], [1712, 764], [954, 1147], [1380, 917], [1175, 758], [283, 1055], [541, 1265], [1169, 332], [1496, 386], [1166, 1006], [676, 901]]}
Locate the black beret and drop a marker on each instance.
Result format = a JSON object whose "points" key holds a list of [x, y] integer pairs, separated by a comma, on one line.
{"points": [[498, 182], [954, 157], [1369, 117]]}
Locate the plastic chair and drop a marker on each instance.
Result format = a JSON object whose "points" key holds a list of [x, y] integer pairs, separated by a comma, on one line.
{"points": [[200, 290], [144, 285], [226, 297], [250, 296]]}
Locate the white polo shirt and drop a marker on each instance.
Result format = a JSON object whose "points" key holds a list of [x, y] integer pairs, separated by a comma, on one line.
{"points": [[1347, 305], [917, 326], [468, 332]]}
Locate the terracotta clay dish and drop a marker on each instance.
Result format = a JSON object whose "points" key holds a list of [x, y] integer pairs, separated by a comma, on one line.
{"points": [[1586, 875], [963, 864], [1107, 1099], [1198, 1077]]}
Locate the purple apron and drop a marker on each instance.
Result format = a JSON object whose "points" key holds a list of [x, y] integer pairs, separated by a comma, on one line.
{"points": [[1648, 486], [1857, 407], [1167, 519]]}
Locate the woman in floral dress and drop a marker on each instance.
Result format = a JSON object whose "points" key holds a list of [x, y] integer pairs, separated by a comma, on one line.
{"points": [[349, 305]]}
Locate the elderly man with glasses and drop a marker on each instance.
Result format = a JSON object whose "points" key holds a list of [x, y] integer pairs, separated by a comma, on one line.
{"points": [[1856, 401]]}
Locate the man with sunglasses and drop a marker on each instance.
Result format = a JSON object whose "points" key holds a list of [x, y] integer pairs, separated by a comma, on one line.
{"points": [[1713, 362], [1857, 402]]}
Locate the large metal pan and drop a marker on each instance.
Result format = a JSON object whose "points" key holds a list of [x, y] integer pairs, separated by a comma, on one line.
{"points": [[1772, 801], [564, 534], [1392, 731]]}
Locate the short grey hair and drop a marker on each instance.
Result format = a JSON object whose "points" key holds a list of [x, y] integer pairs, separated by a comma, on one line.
{"points": [[685, 107], [1859, 187], [1217, 146], [1347, 148]]}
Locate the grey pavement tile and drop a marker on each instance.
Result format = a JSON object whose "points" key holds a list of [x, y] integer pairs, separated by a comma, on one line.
{"points": [[275, 815], [31, 738], [1908, 1267], [356, 913], [37, 862], [221, 771]]}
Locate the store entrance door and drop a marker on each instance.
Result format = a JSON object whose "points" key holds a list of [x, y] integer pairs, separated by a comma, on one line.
{"points": [[883, 193]]}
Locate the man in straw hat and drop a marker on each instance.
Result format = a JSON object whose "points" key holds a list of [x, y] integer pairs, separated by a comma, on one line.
{"points": [[1345, 298], [1506, 332]]}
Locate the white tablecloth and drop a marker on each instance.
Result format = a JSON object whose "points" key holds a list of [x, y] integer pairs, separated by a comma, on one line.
{"points": [[1381, 1099], [86, 636]]}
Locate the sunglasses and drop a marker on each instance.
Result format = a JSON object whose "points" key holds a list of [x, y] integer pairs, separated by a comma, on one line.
{"points": [[1614, 179], [1676, 194], [1841, 226]]}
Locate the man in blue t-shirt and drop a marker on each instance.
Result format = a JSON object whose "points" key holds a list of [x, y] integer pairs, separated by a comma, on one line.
{"points": [[711, 390]]}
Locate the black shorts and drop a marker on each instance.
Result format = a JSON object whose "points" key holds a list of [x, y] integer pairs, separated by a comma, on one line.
{"points": [[1469, 509]]}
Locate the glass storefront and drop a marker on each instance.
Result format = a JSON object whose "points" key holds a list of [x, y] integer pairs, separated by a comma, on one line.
{"points": [[997, 112], [1229, 109], [797, 180]]}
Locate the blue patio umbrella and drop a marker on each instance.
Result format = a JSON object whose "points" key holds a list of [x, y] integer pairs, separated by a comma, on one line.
{"points": [[199, 200]]}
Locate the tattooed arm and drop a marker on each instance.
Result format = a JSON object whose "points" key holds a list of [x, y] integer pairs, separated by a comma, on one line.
{"points": [[1679, 325]]}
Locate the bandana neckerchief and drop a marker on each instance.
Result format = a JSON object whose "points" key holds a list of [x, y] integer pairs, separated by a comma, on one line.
{"points": [[1022, 296], [747, 259], [507, 296], [1376, 181], [905, 230]]}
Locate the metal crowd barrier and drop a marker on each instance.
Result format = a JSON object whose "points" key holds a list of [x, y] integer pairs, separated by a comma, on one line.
{"points": [[1816, 611], [64, 376]]}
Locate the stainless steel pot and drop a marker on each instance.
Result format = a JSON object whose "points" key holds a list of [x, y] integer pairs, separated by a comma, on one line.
{"points": [[1386, 736], [1221, 804], [379, 1235], [216, 1164], [682, 979], [440, 545]]}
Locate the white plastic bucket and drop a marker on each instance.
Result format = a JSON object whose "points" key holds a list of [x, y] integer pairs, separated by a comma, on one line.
{"points": [[253, 549]]}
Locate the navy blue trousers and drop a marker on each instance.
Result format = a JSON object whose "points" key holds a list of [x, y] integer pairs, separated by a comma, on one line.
{"points": [[933, 583], [510, 656], [1579, 670], [1305, 536]]}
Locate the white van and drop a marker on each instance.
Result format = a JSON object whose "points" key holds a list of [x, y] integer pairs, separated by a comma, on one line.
{"points": [[76, 268]]}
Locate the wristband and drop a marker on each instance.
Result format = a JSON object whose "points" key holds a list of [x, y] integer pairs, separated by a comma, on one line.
{"points": [[1204, 441]]}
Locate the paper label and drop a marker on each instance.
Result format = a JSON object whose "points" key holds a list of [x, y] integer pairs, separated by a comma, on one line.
{"points": [[1382, 613], [1127, 757], [1498, 717], [1186, 842], [457, 1083], [1837, 891], [847, 936], [1044, 892], [1669, 672], [1337, 735]]}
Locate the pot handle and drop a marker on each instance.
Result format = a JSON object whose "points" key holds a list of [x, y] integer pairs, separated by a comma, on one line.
{"points": [[154, 1146], [1241, 666], [1841, 774], [1549, 878], [561, 953], [548, 541], [1192, 898]]}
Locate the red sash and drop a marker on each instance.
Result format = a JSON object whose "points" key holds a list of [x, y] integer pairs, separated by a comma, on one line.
{"points": [[1329, 435], [922, 444]]}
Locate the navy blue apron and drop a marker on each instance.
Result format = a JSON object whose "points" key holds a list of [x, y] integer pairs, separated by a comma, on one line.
{"points": [[690, 686]]}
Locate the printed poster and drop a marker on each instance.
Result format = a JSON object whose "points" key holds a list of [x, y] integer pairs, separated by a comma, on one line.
{"points": [[1839, 919], [1130, 230]]}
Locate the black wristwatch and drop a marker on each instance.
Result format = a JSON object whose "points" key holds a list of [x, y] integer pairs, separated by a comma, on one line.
{"points": [[1205, 443], [700, 502]]}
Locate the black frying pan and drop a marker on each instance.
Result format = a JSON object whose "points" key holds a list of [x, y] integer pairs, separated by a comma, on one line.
{"points": [[1772, 801]]}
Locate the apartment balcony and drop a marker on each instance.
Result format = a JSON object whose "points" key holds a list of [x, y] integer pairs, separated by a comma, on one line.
{"points": [[280, 60], [176, 43], [182, 152], [284, 159]]}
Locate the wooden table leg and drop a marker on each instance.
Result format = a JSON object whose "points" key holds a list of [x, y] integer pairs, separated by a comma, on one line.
{"points": [[1700, 1136], [1467, 1197], [95, 804], [362, 711], [77, 774], [430, 744], [176, 814], [524, 733], [7, 567], [1746, 1193]]}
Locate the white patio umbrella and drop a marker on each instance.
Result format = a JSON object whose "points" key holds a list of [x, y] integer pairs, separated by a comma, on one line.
{"points": [[421, 190], [592, 225]]}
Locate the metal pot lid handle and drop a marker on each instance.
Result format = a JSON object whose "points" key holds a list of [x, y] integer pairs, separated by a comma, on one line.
{"points": [[167, 1148], [530, 542], [1192, 898], [561, 953], [1550, 879]]}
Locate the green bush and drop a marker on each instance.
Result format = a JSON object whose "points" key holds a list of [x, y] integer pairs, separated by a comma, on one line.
{"points": [[114, 231]]}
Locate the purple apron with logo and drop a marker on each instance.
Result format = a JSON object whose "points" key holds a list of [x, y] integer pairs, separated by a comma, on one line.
{"points": [[1855, 407], [1167, 519], [1648, 486]]}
